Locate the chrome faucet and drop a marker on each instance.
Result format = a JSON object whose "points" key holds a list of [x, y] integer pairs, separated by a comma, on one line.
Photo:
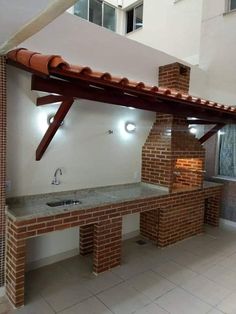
{"points": [[55, 180]]}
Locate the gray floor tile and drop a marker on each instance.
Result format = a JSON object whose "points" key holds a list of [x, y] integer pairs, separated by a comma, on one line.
{"points": [[123, 299], [89, 306], [178, 301], [151, 284], [151, 309]]}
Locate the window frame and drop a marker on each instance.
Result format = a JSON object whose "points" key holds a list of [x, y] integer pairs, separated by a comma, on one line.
{"points": [[217, 156], [103, 3], [134, 17], [228, 7]]}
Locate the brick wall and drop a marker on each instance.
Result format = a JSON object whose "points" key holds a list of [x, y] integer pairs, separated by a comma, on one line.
{"points": [[175, 76], [2, 164]]}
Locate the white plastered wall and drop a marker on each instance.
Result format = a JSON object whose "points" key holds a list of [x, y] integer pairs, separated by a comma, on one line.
{"points": [[88, 156], [168, 25]]}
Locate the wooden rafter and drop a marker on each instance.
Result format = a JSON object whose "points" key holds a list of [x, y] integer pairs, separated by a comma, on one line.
{"points": [[49, 99], [52, 129], [119, 97], [211, 132]]}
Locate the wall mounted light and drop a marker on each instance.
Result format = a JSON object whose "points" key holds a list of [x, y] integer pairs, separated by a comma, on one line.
{"points": [[193, 130], [51, 119], [120, 3], [130, 127], [131, 108], [221, 133]]}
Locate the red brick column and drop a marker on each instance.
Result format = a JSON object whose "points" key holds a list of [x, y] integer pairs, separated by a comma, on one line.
{"points": [[86, 239], [212, 210], [149, 225], [107, 244], [3, 121], [181, 217], [15, 265]]}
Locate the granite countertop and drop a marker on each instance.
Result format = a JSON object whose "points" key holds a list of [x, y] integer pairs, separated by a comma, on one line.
{"points": [[28, 207]]}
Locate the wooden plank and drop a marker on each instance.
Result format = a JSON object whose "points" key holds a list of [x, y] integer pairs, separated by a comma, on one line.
{"points": [[119, 97], [49, 99], [201, 122], [52, 129], [211, 132]]}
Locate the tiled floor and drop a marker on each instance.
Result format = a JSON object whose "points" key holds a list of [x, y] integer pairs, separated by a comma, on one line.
{"points": [[197, 275]]}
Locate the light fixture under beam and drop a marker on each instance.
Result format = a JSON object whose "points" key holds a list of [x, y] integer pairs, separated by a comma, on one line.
{"points": [[130, 127]]}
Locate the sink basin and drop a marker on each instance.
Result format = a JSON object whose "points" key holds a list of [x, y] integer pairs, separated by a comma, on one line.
{"points": [[63, 203]]}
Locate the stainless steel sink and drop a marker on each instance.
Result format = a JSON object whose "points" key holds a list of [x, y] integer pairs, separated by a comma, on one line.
{"points": [[63, 203]]}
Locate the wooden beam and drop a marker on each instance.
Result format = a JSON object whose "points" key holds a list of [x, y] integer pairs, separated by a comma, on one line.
{"points": [[211, 132], [49, 99], [201, 122], [119, 97], [52, 129]]}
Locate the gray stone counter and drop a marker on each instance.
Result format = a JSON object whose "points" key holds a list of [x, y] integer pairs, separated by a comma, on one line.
{"points": [[28, 207]]}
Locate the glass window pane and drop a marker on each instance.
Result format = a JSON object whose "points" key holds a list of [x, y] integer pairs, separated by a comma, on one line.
{"points": [[130, 21], [139, 16], [81, 9], [95, 12], [233, 4], [109, 19]]}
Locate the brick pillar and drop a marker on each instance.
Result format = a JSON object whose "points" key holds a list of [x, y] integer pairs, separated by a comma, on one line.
{"points": [[15, 266], [86, 239], [107, 244], [180, 218], [3, 121], [212, 210], [149, 225], [175, 76]]}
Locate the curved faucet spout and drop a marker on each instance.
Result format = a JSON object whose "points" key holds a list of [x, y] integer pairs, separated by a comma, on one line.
{"points": [[55, 180]]}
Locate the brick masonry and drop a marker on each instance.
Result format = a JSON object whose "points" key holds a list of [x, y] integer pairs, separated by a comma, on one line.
{"points": [[3, 121], [86, 239], [171, 156], [164, 219], [175, 76]]}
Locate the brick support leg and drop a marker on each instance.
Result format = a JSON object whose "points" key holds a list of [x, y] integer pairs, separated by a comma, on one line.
{"points": [[181, 219], [149, 225], [107, 245], [212, 210], [86, 239], [15, 267], [3, 127]]}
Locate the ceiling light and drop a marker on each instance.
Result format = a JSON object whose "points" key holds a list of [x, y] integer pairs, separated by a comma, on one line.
{"points": [[131, 108], [130, 127]]}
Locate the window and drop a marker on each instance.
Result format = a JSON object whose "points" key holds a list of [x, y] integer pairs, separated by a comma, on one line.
{"points": [[227, 151], [134, 18], [98, 12], [230, 5]]}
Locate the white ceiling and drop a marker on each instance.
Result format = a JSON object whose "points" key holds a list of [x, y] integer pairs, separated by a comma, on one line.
{"points": [[14, 14]]}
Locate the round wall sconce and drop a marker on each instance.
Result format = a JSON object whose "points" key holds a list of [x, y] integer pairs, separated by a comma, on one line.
{"points": [[193, 130], [130, 127], [51, 119]]}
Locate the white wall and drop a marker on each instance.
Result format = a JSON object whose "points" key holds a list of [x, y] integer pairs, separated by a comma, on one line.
{"points": [[88, 156], [218, 47], [170, 27]]}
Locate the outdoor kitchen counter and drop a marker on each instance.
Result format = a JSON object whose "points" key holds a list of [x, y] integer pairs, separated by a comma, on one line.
{"points": [[29, 207], [165, 218]]}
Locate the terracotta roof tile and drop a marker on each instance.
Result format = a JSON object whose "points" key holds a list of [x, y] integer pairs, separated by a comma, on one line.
{"points": [[56, 65]]}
